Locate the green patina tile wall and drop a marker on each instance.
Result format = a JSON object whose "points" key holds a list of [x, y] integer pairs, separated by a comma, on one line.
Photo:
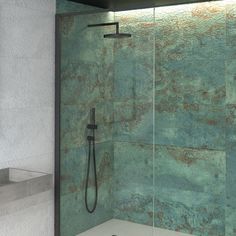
{"points": [[65, 6], [134, 127], [195, 93], [133, 182], [231, 120], [190, 119], [181, 60]]}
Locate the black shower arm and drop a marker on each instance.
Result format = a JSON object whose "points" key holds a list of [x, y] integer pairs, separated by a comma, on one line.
{"points": [[107, 24]]}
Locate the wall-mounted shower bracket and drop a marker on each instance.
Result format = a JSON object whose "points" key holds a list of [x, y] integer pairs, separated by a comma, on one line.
{"points": [[117, 34]]}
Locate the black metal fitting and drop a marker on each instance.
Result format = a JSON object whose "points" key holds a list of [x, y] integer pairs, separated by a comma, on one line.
{"points": [[90, 126], [90, 138]]}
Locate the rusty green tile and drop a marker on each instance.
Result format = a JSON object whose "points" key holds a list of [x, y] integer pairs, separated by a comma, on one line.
{"points": [[65, 6], [133, 182]]}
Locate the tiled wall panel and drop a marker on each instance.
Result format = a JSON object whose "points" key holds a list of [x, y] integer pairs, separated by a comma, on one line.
{"points": [[185, 57]]}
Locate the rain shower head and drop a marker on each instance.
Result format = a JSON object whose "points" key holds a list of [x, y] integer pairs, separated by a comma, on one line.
{"points": [[116, 35]]}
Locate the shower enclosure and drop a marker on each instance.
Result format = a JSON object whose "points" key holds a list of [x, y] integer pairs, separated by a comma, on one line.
{"points": [[165, 104]]}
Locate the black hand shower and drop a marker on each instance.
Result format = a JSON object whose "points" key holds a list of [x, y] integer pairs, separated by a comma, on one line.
{"points": [[116, 35], [91, 141]]}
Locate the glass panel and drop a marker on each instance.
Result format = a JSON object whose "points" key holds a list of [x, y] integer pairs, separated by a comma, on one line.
{"points": [[133, 122], [230, 80], [177, 173], [194, 87], [114, 76]]}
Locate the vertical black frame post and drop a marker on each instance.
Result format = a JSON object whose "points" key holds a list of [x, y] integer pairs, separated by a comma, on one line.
{"points": [[57, 125]]}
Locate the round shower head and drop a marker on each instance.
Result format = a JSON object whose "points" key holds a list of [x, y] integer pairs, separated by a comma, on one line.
{"points": [[117, 36]]}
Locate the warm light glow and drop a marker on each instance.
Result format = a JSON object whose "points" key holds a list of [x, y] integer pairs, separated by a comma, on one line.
{"points": [[176, 9], [166, 10], [134, 14]]}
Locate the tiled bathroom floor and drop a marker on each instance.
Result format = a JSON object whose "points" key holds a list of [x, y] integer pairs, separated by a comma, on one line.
{"points": [[125, 228]]}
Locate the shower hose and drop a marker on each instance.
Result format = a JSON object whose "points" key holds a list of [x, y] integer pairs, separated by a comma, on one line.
{"points": [[91, 154]]}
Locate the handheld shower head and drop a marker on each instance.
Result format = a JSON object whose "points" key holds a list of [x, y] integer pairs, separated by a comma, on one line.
{"points": [[116, 35]]}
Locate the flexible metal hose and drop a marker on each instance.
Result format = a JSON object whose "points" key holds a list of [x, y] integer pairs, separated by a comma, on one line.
{"points": [[91, 210]]}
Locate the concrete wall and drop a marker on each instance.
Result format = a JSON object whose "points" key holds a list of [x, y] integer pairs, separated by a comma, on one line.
{"points": [[27, 107]]}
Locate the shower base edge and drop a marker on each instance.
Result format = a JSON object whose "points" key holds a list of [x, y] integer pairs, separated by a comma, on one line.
{"points": [[124, 228]]}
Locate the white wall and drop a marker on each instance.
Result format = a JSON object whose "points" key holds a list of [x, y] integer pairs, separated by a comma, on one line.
{"points": [[27, 107]]}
